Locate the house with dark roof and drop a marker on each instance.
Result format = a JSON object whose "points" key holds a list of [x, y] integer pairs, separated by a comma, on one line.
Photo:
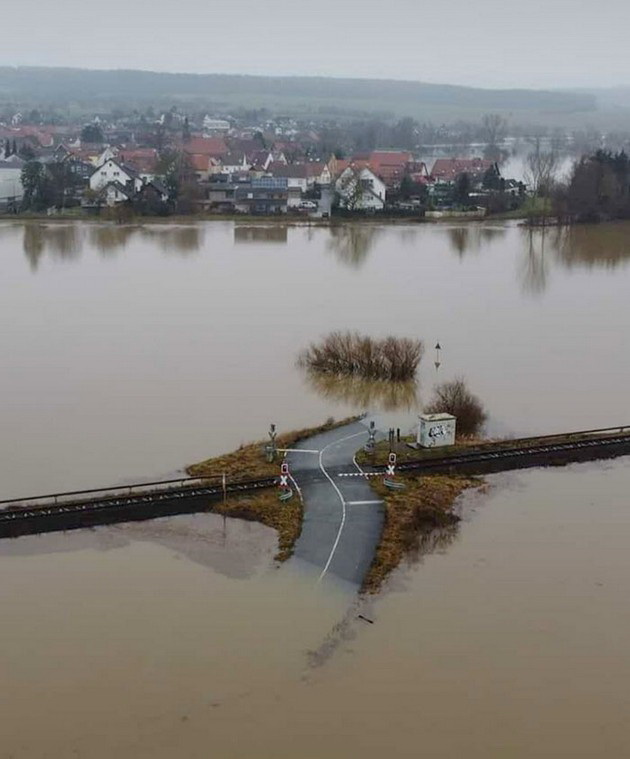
{"points": [[113, 171], [113, 193], [268, 195]]}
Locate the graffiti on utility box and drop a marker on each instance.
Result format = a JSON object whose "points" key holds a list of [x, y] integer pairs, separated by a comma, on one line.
{"points": [[436, 430]]}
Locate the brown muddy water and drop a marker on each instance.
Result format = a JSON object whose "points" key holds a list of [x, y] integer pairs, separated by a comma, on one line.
{"points": [[129, 352]]}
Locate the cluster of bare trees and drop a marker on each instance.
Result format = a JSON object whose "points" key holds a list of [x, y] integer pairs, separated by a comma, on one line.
{"points": [[352, 354]]}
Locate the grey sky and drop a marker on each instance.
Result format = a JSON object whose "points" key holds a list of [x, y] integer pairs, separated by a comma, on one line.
{"points": [[493, 43]]}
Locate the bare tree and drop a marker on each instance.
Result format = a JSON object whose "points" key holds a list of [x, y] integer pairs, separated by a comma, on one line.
{"points": [[455, 398], [494, 128], [541, 168]]}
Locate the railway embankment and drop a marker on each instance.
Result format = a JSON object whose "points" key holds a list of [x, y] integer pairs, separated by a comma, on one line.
{"points": [[358, 529]]}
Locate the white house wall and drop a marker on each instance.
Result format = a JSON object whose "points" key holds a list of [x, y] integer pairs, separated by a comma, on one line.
{"points": [[110, 172], [11, 185]]}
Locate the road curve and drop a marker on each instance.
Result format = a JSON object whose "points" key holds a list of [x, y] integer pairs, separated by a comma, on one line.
{"points": [[343, 517]]}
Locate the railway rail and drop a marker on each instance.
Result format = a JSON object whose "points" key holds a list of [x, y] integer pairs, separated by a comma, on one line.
{"points": [[71, 510], [527, 453]]}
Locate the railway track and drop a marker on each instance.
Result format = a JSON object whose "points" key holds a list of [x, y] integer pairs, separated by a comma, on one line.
{"points": [[525, 455], [126, 503], [101, 506]]}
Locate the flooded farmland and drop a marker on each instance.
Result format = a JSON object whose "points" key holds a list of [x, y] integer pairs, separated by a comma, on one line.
{"points": [[130, 352]]}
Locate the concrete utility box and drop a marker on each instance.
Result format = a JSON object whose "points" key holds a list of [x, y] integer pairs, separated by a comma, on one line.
{"points": [[436, 430]]}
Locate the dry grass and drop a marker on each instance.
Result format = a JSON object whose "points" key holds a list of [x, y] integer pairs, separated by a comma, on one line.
{"points": [[249, 461], [285, 518], [412, 515], [380, 455], [352, 354]]}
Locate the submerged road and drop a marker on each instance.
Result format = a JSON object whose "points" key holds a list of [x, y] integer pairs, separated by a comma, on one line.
{"points": [[343, 517]]}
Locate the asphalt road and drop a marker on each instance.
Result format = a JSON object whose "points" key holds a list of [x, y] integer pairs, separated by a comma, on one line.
{"points": [[343, 517]]}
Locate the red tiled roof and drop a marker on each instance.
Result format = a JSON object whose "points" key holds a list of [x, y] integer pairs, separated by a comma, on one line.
{"points": [[390, 165], [398, 158], [448, 169], [207, 146], [141, 159], [199, 162]]}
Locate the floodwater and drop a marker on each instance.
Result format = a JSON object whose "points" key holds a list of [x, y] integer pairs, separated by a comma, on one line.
{"points": [[131, 351]]}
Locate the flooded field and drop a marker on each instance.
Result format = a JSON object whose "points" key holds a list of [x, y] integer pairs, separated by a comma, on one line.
{"points": [[131, 351]]}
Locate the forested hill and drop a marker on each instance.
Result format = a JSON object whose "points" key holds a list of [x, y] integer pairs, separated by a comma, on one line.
{"points": [[294, 94]]}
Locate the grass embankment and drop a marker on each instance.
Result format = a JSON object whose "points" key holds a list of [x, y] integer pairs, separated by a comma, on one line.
{"points": [[424, 506], [380, 455], [249, 462], [404, 453]]}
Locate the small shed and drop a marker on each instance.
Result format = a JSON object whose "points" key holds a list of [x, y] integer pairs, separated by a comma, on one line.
{"points": [[436, 430]]}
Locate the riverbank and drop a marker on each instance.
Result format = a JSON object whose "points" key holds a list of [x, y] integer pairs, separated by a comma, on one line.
{"points": [[280, 219]]}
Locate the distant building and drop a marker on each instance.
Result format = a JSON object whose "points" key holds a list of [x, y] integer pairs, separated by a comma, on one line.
{"points": [[113, 193], [11, 189], [446, 170], [268, 195], [390, 165], [215, 125], [112, 171], [360, 190]]}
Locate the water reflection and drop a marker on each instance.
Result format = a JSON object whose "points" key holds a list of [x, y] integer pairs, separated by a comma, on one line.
{"points": [[351, 243], [271, 233], [65, 241], [534, 264], [33, 244], [179, 240], [231, 547], [62, 241], [473, 237], [108, 239], [362, 394], [592, 245], [585, 246]]}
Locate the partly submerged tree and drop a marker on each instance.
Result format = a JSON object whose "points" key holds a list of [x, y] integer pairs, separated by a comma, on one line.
{"points": [[455, 398]]}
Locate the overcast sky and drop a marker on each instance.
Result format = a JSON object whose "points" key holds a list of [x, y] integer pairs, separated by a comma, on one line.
{"points": [[491, 43]]}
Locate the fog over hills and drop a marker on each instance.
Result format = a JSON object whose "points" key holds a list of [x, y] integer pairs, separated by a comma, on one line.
{"points": [[292, 94]]}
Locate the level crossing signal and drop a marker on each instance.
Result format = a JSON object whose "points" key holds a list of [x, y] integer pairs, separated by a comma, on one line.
{"points": [[284, 475], [391, 466]]}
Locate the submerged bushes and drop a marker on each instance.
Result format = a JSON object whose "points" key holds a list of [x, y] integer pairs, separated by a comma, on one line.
{"points": [[455, 398], [352, 354]]}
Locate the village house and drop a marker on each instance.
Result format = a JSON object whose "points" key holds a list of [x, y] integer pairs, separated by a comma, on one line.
{"points": [[390, 165], [112, 171], [215, 125], [359, 189], [11, 189], [113, 193], [446, 170], [268, 195]]}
